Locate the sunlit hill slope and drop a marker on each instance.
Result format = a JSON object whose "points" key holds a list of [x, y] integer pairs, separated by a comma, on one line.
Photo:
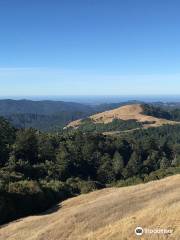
{"points": [[108, 214], [128, 112]]}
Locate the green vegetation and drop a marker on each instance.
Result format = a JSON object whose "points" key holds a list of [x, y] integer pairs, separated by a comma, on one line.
{"points": [[162, 112], [39, 169], [156, 175], [116, 125], [47, 123], [48, 116], [43, 115], [51, 116]]}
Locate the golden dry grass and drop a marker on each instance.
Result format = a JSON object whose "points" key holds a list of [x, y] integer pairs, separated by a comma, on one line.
{"points": [[133, 111], [108, 214]]}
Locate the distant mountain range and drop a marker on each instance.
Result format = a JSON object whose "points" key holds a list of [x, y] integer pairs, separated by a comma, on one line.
{"points": [[52, 115], [43, 115], [40, 107], [47, 115]]}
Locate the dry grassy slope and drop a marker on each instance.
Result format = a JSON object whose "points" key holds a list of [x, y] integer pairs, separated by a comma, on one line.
{"points": [[109, 214], [133, 111]]}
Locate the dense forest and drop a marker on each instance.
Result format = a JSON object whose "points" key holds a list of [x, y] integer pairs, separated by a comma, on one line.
{"points": [[50, 116], [47, 115], [166, 112], [39, 169], [43, 115], [46, 123]]}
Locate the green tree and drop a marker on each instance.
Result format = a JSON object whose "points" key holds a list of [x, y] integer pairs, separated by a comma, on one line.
{"points": [[152, 161], [46, 150], [26, 146], [176, 155], [117, 164], [63, 163], [165, 163], [135, 164], [105, 171], [7, 137]]}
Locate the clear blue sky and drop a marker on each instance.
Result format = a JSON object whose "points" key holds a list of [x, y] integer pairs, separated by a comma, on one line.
{"points": [[79, 47]]}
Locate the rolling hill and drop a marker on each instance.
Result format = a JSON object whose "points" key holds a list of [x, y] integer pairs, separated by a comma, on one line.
{"points": [[47, 115], [127, 112], [108, 214], [48, 107], [42, 115], [54, 115]]}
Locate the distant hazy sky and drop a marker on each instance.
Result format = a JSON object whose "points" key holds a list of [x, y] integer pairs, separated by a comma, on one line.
{"points": [[78, 47]]}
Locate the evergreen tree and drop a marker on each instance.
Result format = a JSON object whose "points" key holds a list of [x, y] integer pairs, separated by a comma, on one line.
{"points": [[26, 146], [117, 164], [165, 163]]}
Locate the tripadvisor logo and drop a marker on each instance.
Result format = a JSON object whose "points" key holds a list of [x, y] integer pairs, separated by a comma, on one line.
{"points": [[139, 231]]}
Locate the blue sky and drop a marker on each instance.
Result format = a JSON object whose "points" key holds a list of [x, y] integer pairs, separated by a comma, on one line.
{"points": [[89, 47]]}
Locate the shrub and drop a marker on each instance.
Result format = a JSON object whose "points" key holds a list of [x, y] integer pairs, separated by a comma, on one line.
{"points": [[80, 186]]}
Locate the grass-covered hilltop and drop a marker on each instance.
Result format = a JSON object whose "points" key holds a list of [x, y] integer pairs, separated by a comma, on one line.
{"points": [[39, 169], [51, 116], [127, 117]]}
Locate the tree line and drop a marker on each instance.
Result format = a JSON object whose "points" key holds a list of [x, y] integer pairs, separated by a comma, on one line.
{"points": [[162, 112], [39, 169]]}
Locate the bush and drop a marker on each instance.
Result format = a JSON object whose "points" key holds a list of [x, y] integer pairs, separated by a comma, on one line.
{"points": [[79, 186], [30, 197], [128, 182], [25, 187], [56, 190], [161, 173]]}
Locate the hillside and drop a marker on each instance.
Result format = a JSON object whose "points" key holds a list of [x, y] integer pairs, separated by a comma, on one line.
{"points": [[9, 106], [108, 214], [47, 115], [42, 115], [54, 115], [128, 112]]}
